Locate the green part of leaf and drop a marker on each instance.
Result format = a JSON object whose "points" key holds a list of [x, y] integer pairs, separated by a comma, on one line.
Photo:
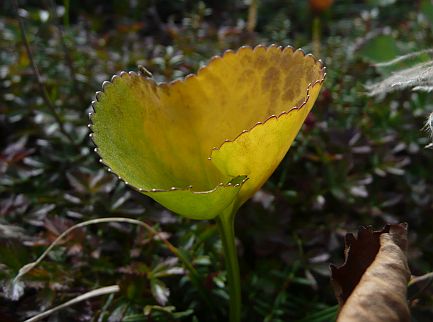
{"points": [[199, 205], [149, 154], [379, 49]]}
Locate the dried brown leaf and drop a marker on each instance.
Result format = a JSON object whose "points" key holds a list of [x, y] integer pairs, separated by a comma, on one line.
{"points": [[371, 285]]}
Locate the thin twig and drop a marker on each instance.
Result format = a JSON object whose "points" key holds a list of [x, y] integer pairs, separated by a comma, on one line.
{"points": [[38, 77], [68, 58], [98, 292], [252, 15], [417, 279]]}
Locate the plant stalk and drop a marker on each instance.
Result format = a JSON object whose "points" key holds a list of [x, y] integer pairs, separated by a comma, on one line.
{"points": [[226, 228], [252, 16], [38, 77], [317, 33], [66, 51]]}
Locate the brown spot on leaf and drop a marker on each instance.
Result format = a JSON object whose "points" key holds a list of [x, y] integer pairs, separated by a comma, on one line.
{"points": [[287, 95], [286, 63], [246, 75], [270, 78], [275, 55], [275, 94], [247, 58], [294, 83], [288, 81], [310, 75], [214, 80], [260, 61], [300, 102]]}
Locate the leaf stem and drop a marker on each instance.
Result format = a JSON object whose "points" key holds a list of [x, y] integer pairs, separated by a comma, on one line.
{"points": [[317, 31], [252, 15], [226, 228]]}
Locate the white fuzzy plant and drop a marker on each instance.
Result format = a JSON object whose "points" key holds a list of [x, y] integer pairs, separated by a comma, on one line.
{"points": [[414, 71]]}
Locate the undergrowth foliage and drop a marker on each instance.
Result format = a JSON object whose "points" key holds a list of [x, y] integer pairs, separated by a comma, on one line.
{"points": [[359, 159]]}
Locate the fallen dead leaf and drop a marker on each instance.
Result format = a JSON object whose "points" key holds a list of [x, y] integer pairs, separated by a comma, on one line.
{"points": [[371, 285]]}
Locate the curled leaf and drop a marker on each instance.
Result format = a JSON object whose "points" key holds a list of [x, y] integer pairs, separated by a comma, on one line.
{"points": [[192, 144], [371, 285]]}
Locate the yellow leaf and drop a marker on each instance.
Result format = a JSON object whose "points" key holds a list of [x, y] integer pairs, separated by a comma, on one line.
{"points": [[161, 136], [258, 152]]}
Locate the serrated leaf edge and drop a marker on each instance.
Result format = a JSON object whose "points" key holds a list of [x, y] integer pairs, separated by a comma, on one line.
{"points": [[98, 95]]}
